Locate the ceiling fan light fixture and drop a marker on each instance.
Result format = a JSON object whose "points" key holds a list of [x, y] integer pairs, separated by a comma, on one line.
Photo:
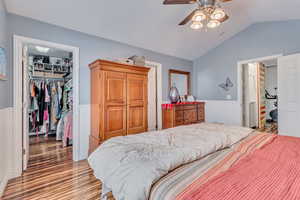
{"points": [[218, 14], [196, 25], [213, 24], [199, 16]]}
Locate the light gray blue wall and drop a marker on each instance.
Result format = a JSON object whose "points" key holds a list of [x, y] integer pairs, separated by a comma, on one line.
{"points": [[5, 94], [258, 40], [91, 48]]}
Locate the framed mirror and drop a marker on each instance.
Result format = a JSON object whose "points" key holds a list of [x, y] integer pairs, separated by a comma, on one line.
{"points": [[181, 80]]}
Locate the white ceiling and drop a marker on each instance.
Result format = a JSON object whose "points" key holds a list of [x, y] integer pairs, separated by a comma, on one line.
{"points": [[149, 24]]}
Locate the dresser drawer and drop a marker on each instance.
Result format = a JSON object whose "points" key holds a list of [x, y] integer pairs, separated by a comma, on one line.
{"points": [[190, 116], [179, 115], [179, 123], [200, 106], [201, 111], [179, 107], [190, 107], [201, 117]]}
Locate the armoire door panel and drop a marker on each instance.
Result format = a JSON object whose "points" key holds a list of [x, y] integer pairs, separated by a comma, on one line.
{"points": [[137, 101], [115, 119], [115, 84], [136, 89], [136, 119]]}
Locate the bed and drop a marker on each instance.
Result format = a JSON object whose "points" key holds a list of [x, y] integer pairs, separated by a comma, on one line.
{"points": [[210, 161]]}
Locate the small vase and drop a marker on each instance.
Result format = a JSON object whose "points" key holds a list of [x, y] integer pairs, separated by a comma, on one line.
{"points": [[174, 95]]}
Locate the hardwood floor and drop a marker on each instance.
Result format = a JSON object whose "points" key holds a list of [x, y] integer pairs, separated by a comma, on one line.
{"points": [[52, 174], [270, 128]]}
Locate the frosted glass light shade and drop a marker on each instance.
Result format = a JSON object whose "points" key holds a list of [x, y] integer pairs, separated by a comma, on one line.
{"points": [[196, 25], [213, 24], [199, 16], [218, 14]]}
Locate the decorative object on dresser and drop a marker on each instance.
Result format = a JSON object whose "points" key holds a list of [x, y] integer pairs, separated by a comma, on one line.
{"points": [[183, 114], [174, 95], [118, 100], [190, 98]]}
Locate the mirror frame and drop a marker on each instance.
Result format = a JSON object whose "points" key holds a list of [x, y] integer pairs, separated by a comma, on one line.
{"points": [[188, 74]]}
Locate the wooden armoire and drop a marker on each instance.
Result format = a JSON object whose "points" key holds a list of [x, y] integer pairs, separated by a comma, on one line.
{"points": [[119, 100]]}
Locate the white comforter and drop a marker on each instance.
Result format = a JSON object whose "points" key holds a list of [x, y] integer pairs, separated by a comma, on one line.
{"points": [[128, 166]]}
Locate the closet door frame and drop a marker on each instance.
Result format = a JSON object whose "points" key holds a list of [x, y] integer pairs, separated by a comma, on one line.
{"points": [[17, 150], [155, 68]]}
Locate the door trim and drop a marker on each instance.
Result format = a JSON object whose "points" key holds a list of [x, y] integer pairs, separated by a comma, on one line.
{"points": [[159, 99], [19, 41]]}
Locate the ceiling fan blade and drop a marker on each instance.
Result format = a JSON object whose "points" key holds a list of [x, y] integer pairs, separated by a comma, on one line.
{"points": [[188, 18], [172, 2], [224, 19], [224, 1]]}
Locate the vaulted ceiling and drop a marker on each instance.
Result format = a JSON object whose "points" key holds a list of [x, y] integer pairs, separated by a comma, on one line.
{"points": [[151, 25]]}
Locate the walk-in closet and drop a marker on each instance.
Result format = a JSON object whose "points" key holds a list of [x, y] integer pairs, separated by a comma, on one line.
{"points": [[50, 96]]}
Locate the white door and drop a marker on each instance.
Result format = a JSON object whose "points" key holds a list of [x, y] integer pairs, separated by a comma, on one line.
{"points": [[289, 95], [26, 100], [152, 100]]}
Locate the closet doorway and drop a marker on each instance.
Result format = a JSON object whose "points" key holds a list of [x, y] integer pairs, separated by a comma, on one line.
{"points": [[46, 93], [258, 94], [48, 96]]}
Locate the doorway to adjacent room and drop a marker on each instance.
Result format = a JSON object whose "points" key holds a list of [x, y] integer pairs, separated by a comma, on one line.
{"points": [[258, 94]]}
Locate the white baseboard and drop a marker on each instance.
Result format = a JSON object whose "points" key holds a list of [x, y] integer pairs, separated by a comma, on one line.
{"points": [[5, 147]]}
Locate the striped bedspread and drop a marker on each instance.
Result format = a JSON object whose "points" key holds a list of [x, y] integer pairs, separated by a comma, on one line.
{"points": [[184, 182], [271, 172]]}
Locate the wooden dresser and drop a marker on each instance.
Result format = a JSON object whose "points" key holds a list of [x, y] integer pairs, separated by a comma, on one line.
{"points": [[183, 114], [119, 101]]}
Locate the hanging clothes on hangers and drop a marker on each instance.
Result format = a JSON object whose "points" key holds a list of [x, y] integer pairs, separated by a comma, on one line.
{"points": [[34, 108], [51, 103], [41, 102], [68, 128], [55, 105]]}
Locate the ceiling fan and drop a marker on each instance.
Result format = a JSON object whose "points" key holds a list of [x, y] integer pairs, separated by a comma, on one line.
{"points": [[208, 12]]}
